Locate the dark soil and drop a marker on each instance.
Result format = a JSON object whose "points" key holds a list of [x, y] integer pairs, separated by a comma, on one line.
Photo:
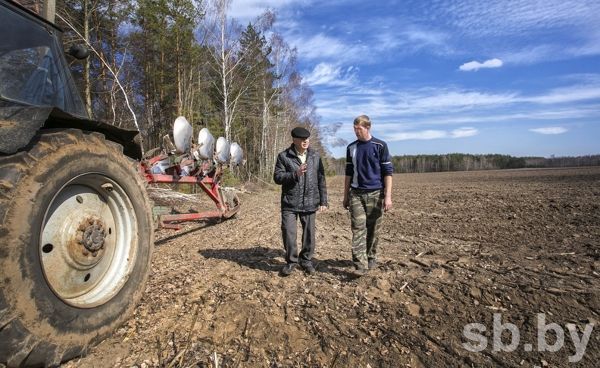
{"points": [[457, 248]]}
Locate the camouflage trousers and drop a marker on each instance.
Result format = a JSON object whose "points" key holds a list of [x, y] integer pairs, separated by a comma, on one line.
{"points": [[366, 211]]}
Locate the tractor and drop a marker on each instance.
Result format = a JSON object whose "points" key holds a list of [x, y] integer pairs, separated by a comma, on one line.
{"points": [[76, 222]]}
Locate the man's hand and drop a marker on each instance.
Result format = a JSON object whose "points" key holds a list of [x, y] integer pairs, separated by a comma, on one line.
{"points": [[387, 204], [346, 203], [301, 170], [322, 209]]}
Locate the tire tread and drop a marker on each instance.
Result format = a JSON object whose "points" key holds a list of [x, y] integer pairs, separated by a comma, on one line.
{"points": [[19, 346], [22, 351]]}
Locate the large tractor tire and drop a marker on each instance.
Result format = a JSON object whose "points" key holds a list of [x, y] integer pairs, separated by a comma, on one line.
{"points": [[76, 238]]}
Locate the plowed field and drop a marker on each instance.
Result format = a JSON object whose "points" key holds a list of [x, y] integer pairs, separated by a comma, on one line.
{"points": [[515, 251]]}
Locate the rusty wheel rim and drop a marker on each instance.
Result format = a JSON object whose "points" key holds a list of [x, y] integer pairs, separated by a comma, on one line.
{"points": [[88, 241]]}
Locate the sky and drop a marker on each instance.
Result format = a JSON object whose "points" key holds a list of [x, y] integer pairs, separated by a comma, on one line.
{"points": [[517, 77]]}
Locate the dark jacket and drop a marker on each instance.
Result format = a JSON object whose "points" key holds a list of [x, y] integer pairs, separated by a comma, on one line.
{"points": [[305, 193]]}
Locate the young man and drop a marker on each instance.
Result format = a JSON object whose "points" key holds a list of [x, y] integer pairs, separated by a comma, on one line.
{"points": [[367, 192], [299, 170]]}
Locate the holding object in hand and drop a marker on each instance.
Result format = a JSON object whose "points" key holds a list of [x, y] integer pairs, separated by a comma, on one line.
{"points": [[301, 170]]}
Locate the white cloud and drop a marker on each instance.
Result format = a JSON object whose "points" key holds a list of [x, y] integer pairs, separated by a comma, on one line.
{"points": [[323, 73], [533, 55], [422, 135], [456, 106], [322, 47], [463, 132], [376, 39], [407, 39], [476, 65], [566, 94], [544, 53], [391, 37], [498, 19], [397, 103], [246, 10], [385, 40], [485, 117], [590, 47], [432, 134], [332, 75], [424, 36], [401, 103], [422, 100], [550, 130]]}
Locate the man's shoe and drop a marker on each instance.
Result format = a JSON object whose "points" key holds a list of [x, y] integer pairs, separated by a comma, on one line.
{"points": [[372, 264], [287, 269], [358, 266], [309, 269], [360, 270]]}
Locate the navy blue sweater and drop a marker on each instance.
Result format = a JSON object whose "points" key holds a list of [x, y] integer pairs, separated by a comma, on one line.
{"points": [[367, 163]]}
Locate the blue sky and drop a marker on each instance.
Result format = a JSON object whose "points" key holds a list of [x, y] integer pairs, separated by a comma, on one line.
{"points": [[512, 77]]}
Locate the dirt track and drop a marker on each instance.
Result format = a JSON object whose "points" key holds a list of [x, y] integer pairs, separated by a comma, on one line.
{"points": [[456, 249]]}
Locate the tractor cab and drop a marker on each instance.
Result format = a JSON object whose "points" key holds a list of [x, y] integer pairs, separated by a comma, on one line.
{"points": [[33, 69]]}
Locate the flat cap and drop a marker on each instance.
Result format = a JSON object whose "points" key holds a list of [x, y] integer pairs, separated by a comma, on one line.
{"points": [[299, 132]]}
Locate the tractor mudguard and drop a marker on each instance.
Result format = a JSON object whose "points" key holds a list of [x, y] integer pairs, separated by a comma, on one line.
{"points": [[19, 124]]}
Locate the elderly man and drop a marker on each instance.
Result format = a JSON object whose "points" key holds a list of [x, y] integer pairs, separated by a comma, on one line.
{"points": [[299, 170]]}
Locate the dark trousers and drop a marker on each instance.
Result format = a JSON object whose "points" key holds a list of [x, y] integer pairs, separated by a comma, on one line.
{"points": [[289, 222]]}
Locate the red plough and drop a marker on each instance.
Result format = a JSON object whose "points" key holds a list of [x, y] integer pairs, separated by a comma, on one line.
{"points": [[199, 167]]}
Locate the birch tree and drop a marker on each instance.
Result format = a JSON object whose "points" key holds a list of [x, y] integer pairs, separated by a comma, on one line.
{"points": [[228, 56], [283, 58]]}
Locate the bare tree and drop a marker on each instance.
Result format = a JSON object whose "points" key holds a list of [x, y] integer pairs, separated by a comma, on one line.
{"points": [[222, 35], [283, 59], [105, 63]]}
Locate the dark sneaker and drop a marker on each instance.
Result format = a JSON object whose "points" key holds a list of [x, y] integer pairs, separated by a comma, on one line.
{"points": [[309, 269], [372, 264], [287, 269]]}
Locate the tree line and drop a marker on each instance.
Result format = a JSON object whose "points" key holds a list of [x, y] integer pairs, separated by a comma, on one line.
{"points": [[470, 162], [154, 60]]}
